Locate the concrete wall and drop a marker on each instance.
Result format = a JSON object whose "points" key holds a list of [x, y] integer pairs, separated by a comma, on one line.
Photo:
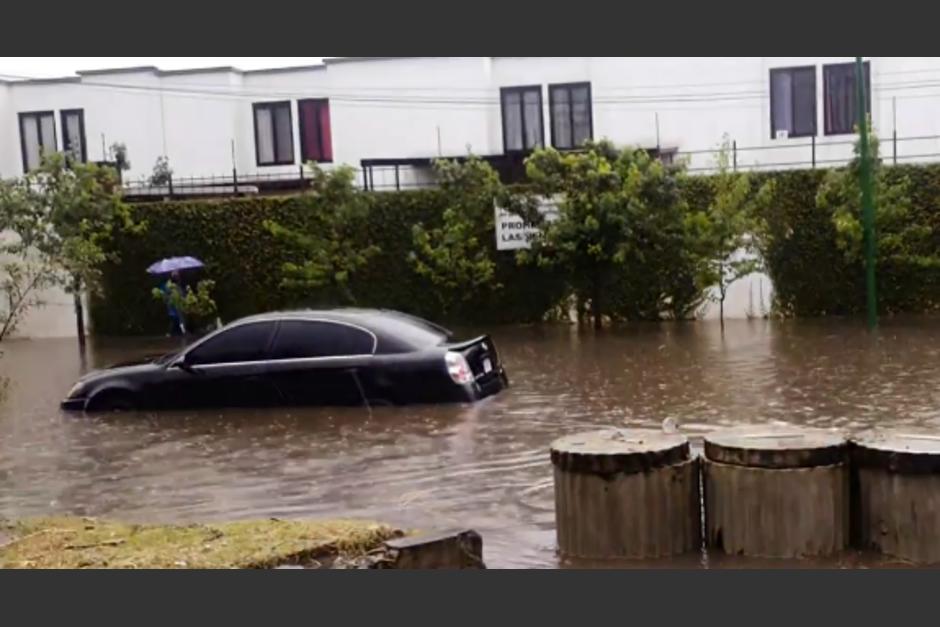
{"points": [[7, 136], [423, 107], [401, 107]]}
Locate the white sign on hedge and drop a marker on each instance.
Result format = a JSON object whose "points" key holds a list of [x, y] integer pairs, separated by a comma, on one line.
{"points": [[513, 232]]}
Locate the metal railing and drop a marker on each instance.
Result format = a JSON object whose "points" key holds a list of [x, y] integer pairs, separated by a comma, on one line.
{"points": [[234, 184], [811, 153], [805, 153]]}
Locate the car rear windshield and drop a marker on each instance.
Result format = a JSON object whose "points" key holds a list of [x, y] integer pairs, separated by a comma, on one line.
{"points": [[406, 332]]}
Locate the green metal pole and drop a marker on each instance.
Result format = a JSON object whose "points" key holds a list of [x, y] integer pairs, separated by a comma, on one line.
{"points": [[868, 203]]}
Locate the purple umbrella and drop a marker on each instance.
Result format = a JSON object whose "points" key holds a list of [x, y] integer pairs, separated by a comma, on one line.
{"points": [[172, 264]]}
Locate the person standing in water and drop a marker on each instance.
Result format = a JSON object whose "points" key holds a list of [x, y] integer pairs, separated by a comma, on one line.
{"points": [[177, 325]]}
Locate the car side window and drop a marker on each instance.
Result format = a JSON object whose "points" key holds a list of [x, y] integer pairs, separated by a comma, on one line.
{"points": [[245, 342], [303, 339]]}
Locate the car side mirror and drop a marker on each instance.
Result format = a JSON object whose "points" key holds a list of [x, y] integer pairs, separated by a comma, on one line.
{"points": [[183, 364]]}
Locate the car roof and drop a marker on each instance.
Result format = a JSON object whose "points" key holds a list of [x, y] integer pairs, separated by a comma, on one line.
{"points": [[347, 314], [386, 324]]}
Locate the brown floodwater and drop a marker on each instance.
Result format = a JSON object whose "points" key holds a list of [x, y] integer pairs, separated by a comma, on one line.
{"points": [[484, 466]]}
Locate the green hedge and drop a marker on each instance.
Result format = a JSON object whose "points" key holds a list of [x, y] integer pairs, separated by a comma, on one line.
{"points": [[245, 261], [811, 276]]}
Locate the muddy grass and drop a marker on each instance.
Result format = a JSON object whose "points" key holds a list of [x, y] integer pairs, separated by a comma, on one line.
{"points": [[69, 542]]}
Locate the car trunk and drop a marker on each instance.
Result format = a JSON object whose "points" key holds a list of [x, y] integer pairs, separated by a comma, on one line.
{"points": [[482, 358]]}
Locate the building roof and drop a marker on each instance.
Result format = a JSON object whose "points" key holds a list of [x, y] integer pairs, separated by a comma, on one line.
{"points": [[288, 68], [336, 60], [119, 70], [204, 70]]}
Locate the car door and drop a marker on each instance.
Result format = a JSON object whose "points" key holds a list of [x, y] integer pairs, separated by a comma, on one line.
{"points": [[319, 362], [226, 370]]}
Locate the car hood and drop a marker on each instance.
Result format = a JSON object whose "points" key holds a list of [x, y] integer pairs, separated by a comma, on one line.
{"points": [[143, 364], [140, 361]]}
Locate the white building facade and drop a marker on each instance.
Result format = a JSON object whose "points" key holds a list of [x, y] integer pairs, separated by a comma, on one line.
{"points": [[392, 115]]}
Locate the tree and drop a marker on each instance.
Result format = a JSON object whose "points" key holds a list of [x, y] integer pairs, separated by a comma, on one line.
{"points": [[457, 256], [620, 228], [119, 156], [901, 242], [68, 212], [327, 249], [162, 173], [724, 232], [195, 305], [25, 271]]}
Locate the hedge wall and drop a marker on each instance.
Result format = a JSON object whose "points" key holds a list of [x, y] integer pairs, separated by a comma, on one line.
{"points": [[811, 276], [245, 261]]}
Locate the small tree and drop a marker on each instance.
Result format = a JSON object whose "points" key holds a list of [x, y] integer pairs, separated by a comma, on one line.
{"points": [[327, 249], [118, 153], [25, 271], [162, 173], [457, 256], [723, 233], [901, 241], [21, 285], [195, 304], [620, 216], [70, 211]]}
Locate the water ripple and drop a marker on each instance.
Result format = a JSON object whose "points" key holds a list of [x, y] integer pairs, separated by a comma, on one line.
{"points": [[484, 466]]}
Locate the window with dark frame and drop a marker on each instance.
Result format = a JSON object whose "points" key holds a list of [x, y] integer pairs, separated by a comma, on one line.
{"points": [[570, 113], [522, 118], [793, 101], [840, 98], [37, 136], [315, 137], [73, 134], [274, 133]]}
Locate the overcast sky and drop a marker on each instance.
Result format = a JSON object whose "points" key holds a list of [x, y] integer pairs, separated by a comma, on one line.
{"points": [[45, 67]]}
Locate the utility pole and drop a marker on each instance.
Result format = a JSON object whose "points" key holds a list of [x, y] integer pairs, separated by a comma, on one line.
{"points": [[868, 202]]}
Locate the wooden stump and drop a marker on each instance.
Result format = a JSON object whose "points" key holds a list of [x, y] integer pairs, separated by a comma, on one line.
{"points": [[626, 494], [898, 494], [776, 492], [457, 549]]}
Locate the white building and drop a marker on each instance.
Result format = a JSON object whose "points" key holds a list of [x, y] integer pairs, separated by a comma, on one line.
{"points": [[392, 115]]}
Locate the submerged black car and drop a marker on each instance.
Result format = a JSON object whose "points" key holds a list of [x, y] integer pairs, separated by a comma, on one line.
{"points": [[335, 357]]}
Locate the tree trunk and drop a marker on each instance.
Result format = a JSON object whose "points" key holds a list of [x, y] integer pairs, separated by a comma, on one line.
{"points": [[596, 309], [776, 491], [626, 494], [722, 291], [79, 312], [897, 494]]}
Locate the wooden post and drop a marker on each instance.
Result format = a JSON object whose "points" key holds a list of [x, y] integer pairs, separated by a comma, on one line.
{"points": [[775, 491], [898, 494], [626, 494], [457, 549]]}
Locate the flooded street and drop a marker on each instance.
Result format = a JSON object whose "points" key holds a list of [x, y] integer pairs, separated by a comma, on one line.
{"points": [[484, 466]]}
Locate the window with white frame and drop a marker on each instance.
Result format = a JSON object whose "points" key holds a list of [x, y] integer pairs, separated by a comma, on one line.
{"points": [[37, 136], [793, 102], [274, 134]]}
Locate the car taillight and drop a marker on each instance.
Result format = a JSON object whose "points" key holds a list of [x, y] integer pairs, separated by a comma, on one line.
{"points": [[458, 368]]}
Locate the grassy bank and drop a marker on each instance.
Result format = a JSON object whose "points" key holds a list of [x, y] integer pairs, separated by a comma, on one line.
{"points": [[71, 542]]}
